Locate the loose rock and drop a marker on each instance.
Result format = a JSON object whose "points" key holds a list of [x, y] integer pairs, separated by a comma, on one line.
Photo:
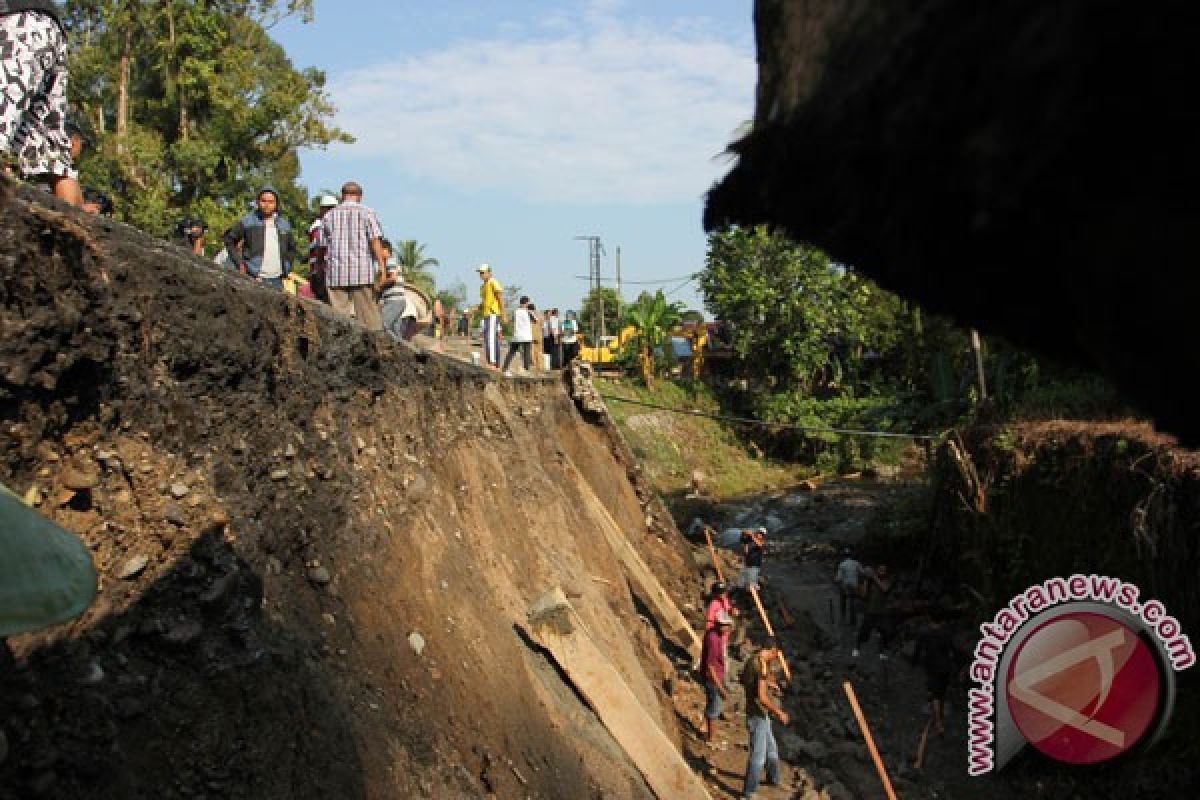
{"points": [[183, 633], [417, 642], [179, 490], [133, 567], [78, 477], [319, 575], [279, 475]]}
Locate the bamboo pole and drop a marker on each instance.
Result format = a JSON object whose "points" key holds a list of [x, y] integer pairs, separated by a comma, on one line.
{"points": [[762, 612], [866, 732], [784, 613], [712, 551], [920, 759]]}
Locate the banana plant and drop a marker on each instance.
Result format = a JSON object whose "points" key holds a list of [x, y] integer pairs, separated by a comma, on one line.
{"points": [[652, 317]]}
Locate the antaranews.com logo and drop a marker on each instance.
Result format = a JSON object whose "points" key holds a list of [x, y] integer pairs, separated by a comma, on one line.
{"points": [[1080, 668]]}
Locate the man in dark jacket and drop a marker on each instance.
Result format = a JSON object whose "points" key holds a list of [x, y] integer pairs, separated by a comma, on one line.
{"points": [[260, 244], [33, 99]]}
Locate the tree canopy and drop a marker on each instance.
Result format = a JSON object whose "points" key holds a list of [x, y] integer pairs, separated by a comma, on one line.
{"points": [[189, 107], [798, 320], [605, 298]]}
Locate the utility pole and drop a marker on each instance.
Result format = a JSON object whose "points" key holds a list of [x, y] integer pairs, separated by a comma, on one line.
{"points": [[595, 250], [619, 272]]}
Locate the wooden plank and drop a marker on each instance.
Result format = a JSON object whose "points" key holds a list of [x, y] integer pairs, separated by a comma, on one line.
{"points": [[555, 624], [865, 730], [762, 612], [712, 551], [670, 619]]}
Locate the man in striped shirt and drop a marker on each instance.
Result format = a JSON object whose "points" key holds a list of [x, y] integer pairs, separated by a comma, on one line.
{"points": [[351, 235]]}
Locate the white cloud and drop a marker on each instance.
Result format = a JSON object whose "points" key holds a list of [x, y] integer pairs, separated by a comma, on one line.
{"points": [[610, 111]]}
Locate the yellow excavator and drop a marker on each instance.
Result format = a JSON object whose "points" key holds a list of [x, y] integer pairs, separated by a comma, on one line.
{"points": [[610, 347]]}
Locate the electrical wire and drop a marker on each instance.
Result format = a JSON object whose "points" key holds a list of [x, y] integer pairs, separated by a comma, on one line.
{"points": [[691, 412]]}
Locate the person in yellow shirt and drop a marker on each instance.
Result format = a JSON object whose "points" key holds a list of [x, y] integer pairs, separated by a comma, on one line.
{"points": [[491, 309]]}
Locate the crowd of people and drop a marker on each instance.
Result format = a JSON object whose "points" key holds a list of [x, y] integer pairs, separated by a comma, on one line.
{"points": [[350, 263], [547, 339]]}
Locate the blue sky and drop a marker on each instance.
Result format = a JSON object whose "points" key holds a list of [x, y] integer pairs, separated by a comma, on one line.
{"points": [[498, 131]]}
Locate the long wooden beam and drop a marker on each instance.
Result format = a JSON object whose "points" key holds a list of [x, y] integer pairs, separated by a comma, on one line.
{"points": [[555, 624], [666, 613], [762, 612], [870, 740]]}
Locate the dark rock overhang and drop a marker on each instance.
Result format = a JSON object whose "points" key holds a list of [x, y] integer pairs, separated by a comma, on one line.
{"points": [[1030, 168]]}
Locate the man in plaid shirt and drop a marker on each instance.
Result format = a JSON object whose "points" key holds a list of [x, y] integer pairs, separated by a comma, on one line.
{"points": [[350, 235]]}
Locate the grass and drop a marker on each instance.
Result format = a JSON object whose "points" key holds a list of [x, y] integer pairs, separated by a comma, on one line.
{"points": [[671, 446]]}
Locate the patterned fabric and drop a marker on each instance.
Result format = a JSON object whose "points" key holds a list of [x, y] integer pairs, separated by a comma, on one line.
{"points": [[346, 233], [33, 103]]}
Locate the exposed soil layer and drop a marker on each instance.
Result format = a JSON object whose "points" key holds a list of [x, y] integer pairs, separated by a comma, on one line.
{"points": [[313, 544]]}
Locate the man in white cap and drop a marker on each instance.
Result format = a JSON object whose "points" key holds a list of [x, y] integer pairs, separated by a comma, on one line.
{"points": [[316, 255], [491, 311], [753, 544]]}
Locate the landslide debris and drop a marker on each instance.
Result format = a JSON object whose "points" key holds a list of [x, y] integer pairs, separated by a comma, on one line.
{"points": [[313, 544]]}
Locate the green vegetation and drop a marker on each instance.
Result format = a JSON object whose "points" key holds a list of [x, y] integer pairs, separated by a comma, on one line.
{"points": [[590, 310], [653, 318], [671, 446], [815, 344], [189, 107], [415, 265]]}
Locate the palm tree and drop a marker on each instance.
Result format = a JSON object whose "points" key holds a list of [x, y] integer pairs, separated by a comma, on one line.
{"points": [[414, 265], [653, 318]]}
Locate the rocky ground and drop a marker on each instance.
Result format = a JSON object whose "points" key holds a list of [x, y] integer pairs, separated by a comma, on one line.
{"points": [[313, 544]]}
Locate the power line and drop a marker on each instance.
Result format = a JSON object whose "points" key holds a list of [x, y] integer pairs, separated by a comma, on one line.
{"points": [[691, 412], [690, 277]]}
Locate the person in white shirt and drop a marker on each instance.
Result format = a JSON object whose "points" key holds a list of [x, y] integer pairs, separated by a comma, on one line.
{"points": [[570, 338], [524, 321], [848, 579]]}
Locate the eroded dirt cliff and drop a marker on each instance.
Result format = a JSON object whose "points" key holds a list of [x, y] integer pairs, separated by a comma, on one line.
{"points": [[314, 544]]}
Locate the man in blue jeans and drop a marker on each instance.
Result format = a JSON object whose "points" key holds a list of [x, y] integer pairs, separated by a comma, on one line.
{"points": [[712, 662], [756, 679]]}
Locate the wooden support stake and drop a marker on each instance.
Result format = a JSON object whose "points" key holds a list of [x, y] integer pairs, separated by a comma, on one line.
{"points": [[762, 612], [712, 551], [920, 759], [784, 614], [866, 732]]}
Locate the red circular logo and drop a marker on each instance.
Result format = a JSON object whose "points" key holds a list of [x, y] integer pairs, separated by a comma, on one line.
{"points": [[1083, 688]]}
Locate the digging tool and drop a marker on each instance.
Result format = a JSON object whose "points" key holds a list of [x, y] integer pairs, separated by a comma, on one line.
{"points": [[920, 759], [866, 732], [762, 612], [712, 551], [784, 614]]}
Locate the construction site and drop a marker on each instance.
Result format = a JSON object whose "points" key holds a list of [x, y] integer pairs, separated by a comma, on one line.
{"points": [[334, 566]]}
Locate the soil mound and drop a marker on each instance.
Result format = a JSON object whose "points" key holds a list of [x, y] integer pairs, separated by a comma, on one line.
{"points": [[315, 545]]}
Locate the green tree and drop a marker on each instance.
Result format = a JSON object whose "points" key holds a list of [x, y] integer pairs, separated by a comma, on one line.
{"points": [[799, 321], [415, 265], [589, 312], [653, 318], [190, 107]]}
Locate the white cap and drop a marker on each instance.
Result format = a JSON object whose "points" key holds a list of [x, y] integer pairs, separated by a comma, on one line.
{"points": [[484, 268], [328, 201]]}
